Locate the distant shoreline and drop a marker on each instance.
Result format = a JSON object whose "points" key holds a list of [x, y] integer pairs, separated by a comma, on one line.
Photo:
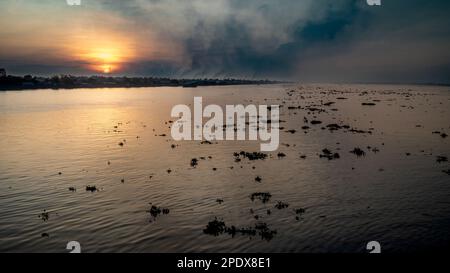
{"points": [[17, 83]]}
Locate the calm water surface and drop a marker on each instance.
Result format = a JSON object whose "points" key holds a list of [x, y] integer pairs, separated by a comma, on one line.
{"points": [[397, 194]]}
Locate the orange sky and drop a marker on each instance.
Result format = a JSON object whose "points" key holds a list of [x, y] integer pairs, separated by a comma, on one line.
{"points": [[96, 40]]}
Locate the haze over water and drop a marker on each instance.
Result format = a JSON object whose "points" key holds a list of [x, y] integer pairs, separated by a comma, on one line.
{"points": [[397, 194]]}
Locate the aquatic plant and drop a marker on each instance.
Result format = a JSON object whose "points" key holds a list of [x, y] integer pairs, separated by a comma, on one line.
{"points": [[215, 227], [441, 159], [91, 188], [156, 211], [194, 162], [262, 196], [250, 156], [358, 152], [281, 205]]}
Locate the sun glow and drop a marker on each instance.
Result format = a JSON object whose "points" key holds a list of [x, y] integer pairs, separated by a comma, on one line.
{"points": [[105, 60], [106, 68], [106, 54]]}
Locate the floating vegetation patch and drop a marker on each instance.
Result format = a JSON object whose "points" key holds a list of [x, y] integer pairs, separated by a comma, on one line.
{"points": [[194, 162], [329, 154], [300, 211], [218, 227], [262, 196], [281, 205], [264, 231], [334, 127], [250, 156], [358, 131], [215, 227], [91, 188], [156, 211], [44, 216], [358, 152], [441, 159]]}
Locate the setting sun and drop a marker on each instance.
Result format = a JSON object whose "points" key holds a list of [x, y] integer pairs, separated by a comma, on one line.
{"points": [[105, 60], [107, 53], [106, 68]]}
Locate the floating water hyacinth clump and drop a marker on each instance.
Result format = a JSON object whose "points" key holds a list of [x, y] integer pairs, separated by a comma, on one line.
{"points": [[358, 152], [250, 156], [329, 155], [91, 188], [441, 159], [262, 196], [281, 205], [217, 227], [156, 211]]}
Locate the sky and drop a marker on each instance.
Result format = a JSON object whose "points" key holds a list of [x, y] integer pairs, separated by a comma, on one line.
{"points": [[401, 41]]}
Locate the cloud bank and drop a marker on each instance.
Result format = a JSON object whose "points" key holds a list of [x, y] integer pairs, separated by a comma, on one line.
{"points": [[305, 40]]}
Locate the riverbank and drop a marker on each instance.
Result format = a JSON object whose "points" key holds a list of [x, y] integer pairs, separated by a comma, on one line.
{"points": [[71, 82]]}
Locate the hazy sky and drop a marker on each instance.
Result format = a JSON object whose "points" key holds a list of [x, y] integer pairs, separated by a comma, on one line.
{"points": [[306, 40]]}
